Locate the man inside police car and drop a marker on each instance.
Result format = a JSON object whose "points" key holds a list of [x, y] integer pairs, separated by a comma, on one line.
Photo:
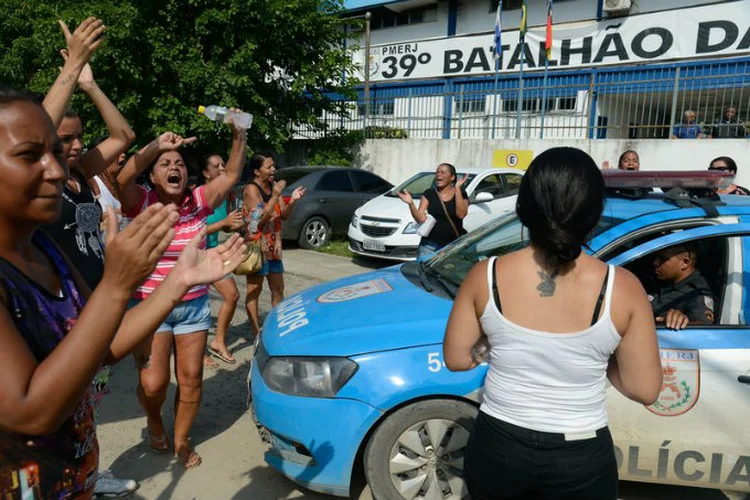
{"points": [[683, 296]]}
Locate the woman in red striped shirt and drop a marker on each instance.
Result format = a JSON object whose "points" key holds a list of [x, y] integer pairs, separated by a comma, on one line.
{"points": [[187, 327]]}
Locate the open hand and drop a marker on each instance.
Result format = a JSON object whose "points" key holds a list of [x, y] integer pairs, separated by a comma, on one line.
{"points": [[460, 182], [674, 320], [298, 193], [278, 187], [201, 267], [234, 220], [131, 255], [405, 197], [169, 141], [83, 41]]}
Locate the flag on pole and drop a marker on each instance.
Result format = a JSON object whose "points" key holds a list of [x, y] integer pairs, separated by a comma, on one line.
{"points": [[498, 29], [522, 28], [548, 40]]}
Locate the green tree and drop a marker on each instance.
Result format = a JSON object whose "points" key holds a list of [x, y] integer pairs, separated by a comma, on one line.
{"points": [[276, 59]]}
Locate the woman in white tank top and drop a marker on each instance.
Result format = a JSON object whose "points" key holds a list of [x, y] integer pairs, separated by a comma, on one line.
{"points": [[558, 323]]}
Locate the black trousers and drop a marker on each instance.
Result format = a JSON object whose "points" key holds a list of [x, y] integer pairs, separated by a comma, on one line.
{"points": [[504, 461]]}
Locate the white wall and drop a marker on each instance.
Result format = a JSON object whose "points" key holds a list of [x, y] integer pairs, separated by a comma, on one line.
{"points": [[474, 15], [396, 160], [397, 34]]}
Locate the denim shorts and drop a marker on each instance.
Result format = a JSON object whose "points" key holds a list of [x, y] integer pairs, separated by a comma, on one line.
{"points": [[188, 317], [271, 266], [427, 249]]}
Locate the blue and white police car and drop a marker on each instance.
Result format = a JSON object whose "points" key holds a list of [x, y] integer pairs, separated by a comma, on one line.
{"points": [[349, 375]]}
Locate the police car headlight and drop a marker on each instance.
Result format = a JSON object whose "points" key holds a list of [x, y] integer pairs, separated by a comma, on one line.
{"points": [[355, 220], [411, 228], [308, 376]]}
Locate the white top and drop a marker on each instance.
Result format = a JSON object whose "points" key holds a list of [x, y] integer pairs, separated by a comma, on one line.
{"points": [[106, 198], [548, 382]]}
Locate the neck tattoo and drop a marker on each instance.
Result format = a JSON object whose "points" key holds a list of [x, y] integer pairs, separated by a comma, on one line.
{"points": [[548, 285]]}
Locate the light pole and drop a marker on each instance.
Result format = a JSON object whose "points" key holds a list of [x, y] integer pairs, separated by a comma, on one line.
{"points": [[367, 69]]}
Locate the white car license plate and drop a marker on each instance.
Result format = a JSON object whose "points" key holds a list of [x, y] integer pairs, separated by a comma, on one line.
{"points": [[373, 245]]}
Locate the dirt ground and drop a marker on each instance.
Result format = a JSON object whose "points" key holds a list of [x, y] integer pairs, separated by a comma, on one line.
{"points": [[224, 435]]}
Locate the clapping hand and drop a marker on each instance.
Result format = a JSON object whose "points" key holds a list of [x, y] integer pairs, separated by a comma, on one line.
{"points": [[201, 267], [83, 41], [234, 220], [298, 193], [169, 141], [131, 255], [279, 187], [405, 197]]}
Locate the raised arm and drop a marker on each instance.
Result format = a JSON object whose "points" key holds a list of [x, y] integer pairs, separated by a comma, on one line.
{"points": [[130, 192], [464, 330], [218, 189], [286, 208], [462, 203], [120, 133], [635, 370], [419, 214], [81, 45]]}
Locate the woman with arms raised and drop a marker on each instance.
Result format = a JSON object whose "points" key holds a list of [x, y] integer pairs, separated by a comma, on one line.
{"points": [[558, 323], [187, 327]]}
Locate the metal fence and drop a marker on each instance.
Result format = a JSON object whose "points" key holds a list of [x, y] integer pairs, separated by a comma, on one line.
{"points": [[637, 102]]}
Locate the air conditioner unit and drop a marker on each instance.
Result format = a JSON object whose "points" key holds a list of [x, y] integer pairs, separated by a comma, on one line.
{"points": [[616, 6]]}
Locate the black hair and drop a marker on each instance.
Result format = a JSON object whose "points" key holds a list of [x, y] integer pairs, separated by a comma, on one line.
{"points": [[203, 164], [622, 156], [69, 113], [560, 201], [95, 142], [257, 160], [731, 164], [9, 95]]}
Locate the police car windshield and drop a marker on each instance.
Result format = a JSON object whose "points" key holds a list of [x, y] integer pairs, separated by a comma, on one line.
{"points": [[418, 184], [499, 237]]}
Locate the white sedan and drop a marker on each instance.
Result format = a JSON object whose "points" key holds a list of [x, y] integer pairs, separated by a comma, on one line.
{"points": [[384, 228]]}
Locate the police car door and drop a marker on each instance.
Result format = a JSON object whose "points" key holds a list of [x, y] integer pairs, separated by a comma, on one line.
{"points": [[695, 434]]}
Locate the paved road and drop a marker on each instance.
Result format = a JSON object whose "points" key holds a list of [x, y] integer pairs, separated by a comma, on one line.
{"points": [[233, 466]]}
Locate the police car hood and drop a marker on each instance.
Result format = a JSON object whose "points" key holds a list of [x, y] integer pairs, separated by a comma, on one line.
{"points": [[371, 312]]}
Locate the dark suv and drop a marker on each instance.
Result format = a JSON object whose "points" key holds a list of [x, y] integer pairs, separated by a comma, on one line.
{"points": [[333, 194]]}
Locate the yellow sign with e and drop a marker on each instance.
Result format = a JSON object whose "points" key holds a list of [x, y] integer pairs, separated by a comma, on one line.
{"points": [[512, 158]]}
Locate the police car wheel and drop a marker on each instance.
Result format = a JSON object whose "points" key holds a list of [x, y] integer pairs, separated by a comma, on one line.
{"points": [[417, 452], [315, 233]]}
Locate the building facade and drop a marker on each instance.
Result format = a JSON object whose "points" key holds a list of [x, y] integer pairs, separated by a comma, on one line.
{"points": [[619, 69]]}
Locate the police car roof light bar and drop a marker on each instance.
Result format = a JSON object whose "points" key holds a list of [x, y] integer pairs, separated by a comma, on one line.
{"points": [[685, 179]]}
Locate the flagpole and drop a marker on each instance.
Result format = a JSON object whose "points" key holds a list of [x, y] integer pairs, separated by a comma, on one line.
{"points": [[548, 51], [544, 96], [494, 105], [498, 55], [519, 103], [522, 40]]}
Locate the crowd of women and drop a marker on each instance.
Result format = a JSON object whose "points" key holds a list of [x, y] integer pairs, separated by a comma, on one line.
{"points": [[102, 256]]}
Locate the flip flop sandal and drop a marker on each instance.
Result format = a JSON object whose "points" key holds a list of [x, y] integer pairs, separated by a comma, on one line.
{"points": [[217, 354], [162, 440], [192, 460]]}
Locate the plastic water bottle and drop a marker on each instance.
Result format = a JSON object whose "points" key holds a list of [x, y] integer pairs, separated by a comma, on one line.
{"points": [[220, 113], [254, 218]]}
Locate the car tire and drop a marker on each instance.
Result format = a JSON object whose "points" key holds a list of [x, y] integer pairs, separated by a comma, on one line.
{"points": [[315, 233], [426, 439]]}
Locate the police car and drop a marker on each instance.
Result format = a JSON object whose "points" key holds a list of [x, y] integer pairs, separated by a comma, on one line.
{"points": [[349, 376]]}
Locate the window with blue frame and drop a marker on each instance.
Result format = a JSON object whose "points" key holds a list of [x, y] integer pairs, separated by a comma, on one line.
{"points": [[471, 104], [379, 107]]}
